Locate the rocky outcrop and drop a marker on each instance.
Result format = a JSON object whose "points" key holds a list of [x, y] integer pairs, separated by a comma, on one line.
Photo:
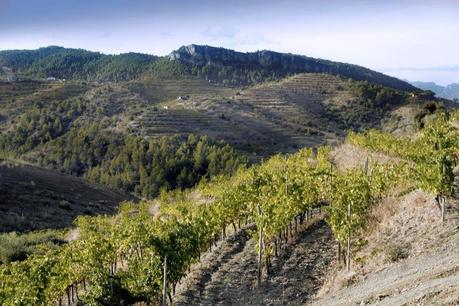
{"points": [[289, 63], [201, 55]]}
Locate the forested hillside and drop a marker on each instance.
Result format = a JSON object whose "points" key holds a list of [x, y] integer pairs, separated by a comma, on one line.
{"points": [[79, 64], [135, 135], [80, 129]]}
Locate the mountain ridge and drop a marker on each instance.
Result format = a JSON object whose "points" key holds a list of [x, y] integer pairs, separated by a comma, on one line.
{"points": [[203, 55], [215, 64], [450, 91]]}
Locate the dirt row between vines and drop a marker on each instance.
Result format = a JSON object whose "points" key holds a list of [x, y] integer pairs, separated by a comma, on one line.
{"points": [[227, 275]]}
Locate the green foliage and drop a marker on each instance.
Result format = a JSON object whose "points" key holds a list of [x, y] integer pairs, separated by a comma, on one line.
{"points": [[17, 247], [138, 165], [42, 123], [238, 75], [455, 117], [396, 251], [350, 200], [141, 236], [371, 104], [76, 136], [165, 68], [234, 68], [62, 63], [25, 282], [223, 67], [431, 157], [428, 112]]}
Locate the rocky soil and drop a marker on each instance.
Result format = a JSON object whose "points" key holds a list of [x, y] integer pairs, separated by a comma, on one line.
{"points": [[411, 258], [227, 276]]}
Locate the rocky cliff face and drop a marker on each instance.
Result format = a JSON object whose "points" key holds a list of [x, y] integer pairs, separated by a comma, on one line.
{"points": [[288, 63], [201, 55]]}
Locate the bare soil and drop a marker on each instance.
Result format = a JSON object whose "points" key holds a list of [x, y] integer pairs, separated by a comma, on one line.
{"points": [[227, 275], [411, 257], [347, 156], [429, 279]]}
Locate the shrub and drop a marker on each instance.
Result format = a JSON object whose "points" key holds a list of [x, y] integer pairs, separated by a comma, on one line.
{"points": [[396, 252], [17, 247]]}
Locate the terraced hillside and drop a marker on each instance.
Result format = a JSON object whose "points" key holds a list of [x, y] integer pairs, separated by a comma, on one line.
{"points": [[32, 198], [302, 110], [261, 102], [156, 90], [16, 98]]}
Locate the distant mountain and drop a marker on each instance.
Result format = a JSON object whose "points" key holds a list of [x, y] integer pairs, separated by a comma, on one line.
{"points": [[226, 64], [450, 91], [216, 65]]}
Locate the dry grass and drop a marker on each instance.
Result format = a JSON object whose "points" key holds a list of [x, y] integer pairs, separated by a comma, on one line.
{"points": [[402, 230], [33, 198], [400, 227], [347, 156]]}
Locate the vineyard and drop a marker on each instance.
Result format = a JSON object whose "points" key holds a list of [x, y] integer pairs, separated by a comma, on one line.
{"points": [[122, 259]]}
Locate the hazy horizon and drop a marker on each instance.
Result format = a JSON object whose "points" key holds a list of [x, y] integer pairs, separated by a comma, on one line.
{"points": [[408, 39]]}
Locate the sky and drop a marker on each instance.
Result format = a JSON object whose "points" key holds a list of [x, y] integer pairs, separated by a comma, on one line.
{"points": [[409, 39]]}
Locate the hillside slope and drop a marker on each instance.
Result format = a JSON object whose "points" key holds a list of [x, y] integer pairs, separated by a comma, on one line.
{"points": [[33, 198], [427, 279], [306, 109], [78, 64], [411, 255], [261, 103], [232, 67], [425, 272]]}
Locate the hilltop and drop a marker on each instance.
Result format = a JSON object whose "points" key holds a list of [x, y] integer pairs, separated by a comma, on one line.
{"points": [[220, 65]]}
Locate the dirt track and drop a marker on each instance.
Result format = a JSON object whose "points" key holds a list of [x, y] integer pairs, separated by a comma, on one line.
{"points": [[227, 276]]}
